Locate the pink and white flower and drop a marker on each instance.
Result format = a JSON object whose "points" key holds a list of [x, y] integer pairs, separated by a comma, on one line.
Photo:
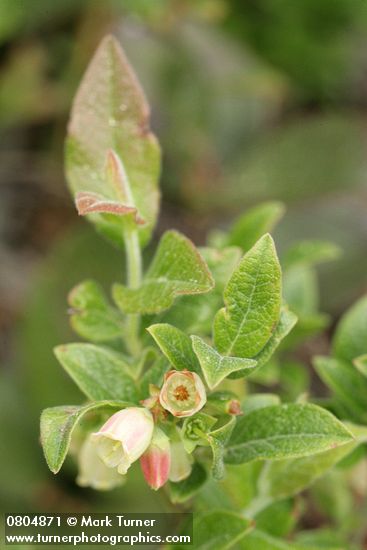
{"points": [[181, 462], [92, 470], [156, 460], [124, 437], [183, 393]]}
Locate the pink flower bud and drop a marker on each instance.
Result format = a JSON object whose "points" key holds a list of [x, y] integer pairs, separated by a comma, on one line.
{"points": [[181, 462], [93, 472], [124, 437], [156, 460], [183, 393]]}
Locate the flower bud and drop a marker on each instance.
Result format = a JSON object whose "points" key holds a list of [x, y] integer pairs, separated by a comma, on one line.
{"points": [[183, 393], [225, 402], [181, 462], [156, 460], [92, 470], [124, 437]]}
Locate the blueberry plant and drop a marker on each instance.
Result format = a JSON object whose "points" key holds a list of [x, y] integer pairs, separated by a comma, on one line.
{"points": [[174, 365]]}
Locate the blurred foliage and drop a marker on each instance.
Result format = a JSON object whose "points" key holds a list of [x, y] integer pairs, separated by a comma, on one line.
{"points": [[312, 41]]}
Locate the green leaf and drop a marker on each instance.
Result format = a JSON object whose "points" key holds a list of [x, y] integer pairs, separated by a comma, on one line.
{"points": [[221, 263], [176, 346], [347, 383], [285, 431], [186, 489], [311, 252], [216, 367], [218, 440], [306, 327], [218, 530], [240, 483], [256, 222], [279, 519], [110, 115], [154, 375], [361, 364], [252, 303], [300, 290], [58, 423], [286, 322], [142, 363], [195, 314], [99, 372], [258, 540], [176, 269], [350, 339], [285, 478], [91, 315], [259, 401], [324, 538]]}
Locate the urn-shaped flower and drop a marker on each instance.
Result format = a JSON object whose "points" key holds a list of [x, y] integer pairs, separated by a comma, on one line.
{"points": [[124, 437], [93, 472], [156, 460]]}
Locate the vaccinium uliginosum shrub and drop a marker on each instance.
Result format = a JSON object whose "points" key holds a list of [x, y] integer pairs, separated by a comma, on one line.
{"points": [[163, 365]]}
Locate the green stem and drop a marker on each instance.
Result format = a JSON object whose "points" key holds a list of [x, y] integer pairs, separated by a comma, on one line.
{"points": [[134, 278]]}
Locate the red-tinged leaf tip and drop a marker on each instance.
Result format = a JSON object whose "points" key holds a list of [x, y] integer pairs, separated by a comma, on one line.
{"points": [[116, 175], [88, 203]]}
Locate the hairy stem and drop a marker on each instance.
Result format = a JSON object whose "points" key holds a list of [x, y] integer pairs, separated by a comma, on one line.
{"points": [[134, 277]]}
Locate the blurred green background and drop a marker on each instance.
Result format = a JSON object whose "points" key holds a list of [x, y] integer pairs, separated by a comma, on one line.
{"points": [[252, 100]]}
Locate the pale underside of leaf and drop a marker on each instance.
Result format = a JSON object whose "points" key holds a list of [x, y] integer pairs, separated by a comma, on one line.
{"points": [[89, 203], [216, 367], [218, 440], [57, 425]]}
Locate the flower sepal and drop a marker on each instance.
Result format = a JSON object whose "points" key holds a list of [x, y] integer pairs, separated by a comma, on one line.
{"points": [[194, 430]]}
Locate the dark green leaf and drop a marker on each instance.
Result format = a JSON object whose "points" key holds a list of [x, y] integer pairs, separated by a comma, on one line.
{"points": [[176, 346], [99, 372], [252, 303], [285, 431]]}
